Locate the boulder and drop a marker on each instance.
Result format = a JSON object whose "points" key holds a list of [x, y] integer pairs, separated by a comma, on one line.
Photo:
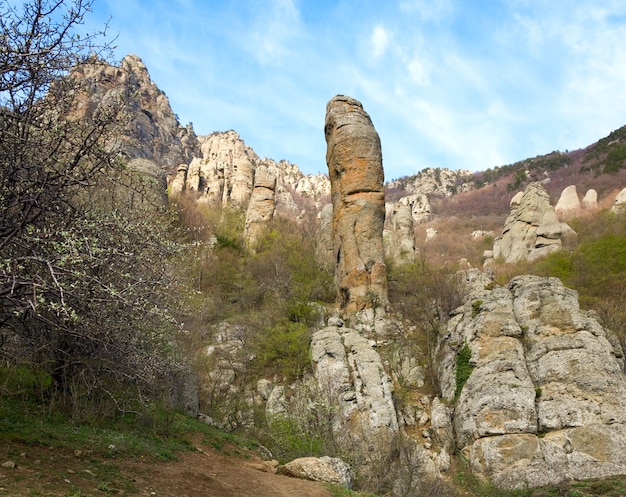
{"points": [[620, 202], [590, 200], [545, 398], [431, 234], [532, 229], [354, 160], [516, 199], [325, 469], [568, 204]]}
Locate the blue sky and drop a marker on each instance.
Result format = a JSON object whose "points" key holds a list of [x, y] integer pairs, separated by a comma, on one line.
{"points": [[462, 84]]}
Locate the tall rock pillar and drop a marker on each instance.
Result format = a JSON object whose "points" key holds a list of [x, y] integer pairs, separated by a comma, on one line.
{"points": [[355, 168], [261, 207]]}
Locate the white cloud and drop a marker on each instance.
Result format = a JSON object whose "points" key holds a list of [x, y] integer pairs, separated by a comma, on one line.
{"points": [[380, 41], [418, 72], [274, 31], [429, 10]]}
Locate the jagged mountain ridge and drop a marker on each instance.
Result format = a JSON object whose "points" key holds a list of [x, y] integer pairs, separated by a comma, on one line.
{"points": [[154, 133]]}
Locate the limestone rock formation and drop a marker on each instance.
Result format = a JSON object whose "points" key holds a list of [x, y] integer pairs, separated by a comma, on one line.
{"points": [[431, 234], [516, 199], [532, 229], [620, 202], [326, 469], [420, 207], [325, 238], [545, 400], [400, 238], [355, 168], [568, 204], [351, 374], [261, 207], [590, 200], [222, 174], [436, 180], [153, 131]]}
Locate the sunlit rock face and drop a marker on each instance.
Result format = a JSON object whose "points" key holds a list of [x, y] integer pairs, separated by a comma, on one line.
{"points": [[546, 399], [354, 160], [532, 230]]}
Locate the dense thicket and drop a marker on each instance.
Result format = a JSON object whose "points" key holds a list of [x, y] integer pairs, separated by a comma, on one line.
{"points": [[83, 286]]}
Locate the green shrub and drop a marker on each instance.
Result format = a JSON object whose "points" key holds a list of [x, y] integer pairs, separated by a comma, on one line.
{"points": [[283, 349], [463, 368], [476, 307]]}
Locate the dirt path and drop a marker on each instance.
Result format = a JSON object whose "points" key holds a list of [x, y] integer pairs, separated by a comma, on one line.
{"points": [[48, 472], [213, 475]]}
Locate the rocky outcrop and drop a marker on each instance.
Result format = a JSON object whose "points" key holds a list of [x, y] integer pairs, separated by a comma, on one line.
{"points": [[590, 200], [436, 181], [326, 469], [544, 398], [532, 229], [420, 207], [516, 199], [400, 238], [223, 175], [355, 168], [152, 131], [620, 202], [431, 234], [351, 374], [568, 204], [324, 251], [261, 207]]}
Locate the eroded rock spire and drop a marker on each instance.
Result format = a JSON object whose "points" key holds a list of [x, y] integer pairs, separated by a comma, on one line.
{"points": [[355, 168]]}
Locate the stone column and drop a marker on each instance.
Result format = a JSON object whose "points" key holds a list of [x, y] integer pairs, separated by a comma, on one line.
{"points": [[355, 168]]}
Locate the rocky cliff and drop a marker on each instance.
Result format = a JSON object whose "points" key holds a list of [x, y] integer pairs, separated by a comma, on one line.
{"points": [[540, 394], [223, 175], [218, 168], [152, 130]]}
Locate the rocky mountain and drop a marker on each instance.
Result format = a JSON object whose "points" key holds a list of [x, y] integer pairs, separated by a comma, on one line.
{"points": [[435, 181], [525, 384], [218, 168], [152, 130]]}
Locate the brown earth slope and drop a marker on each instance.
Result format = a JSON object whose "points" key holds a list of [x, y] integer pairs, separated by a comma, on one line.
{"points": [[48, 471]]}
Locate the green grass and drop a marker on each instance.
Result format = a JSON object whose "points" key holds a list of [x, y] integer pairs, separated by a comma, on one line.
{"points": [[158, 434], [339, 491]]}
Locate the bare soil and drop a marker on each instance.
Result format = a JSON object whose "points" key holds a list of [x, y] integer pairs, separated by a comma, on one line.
{"points": [[230, 472]]}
